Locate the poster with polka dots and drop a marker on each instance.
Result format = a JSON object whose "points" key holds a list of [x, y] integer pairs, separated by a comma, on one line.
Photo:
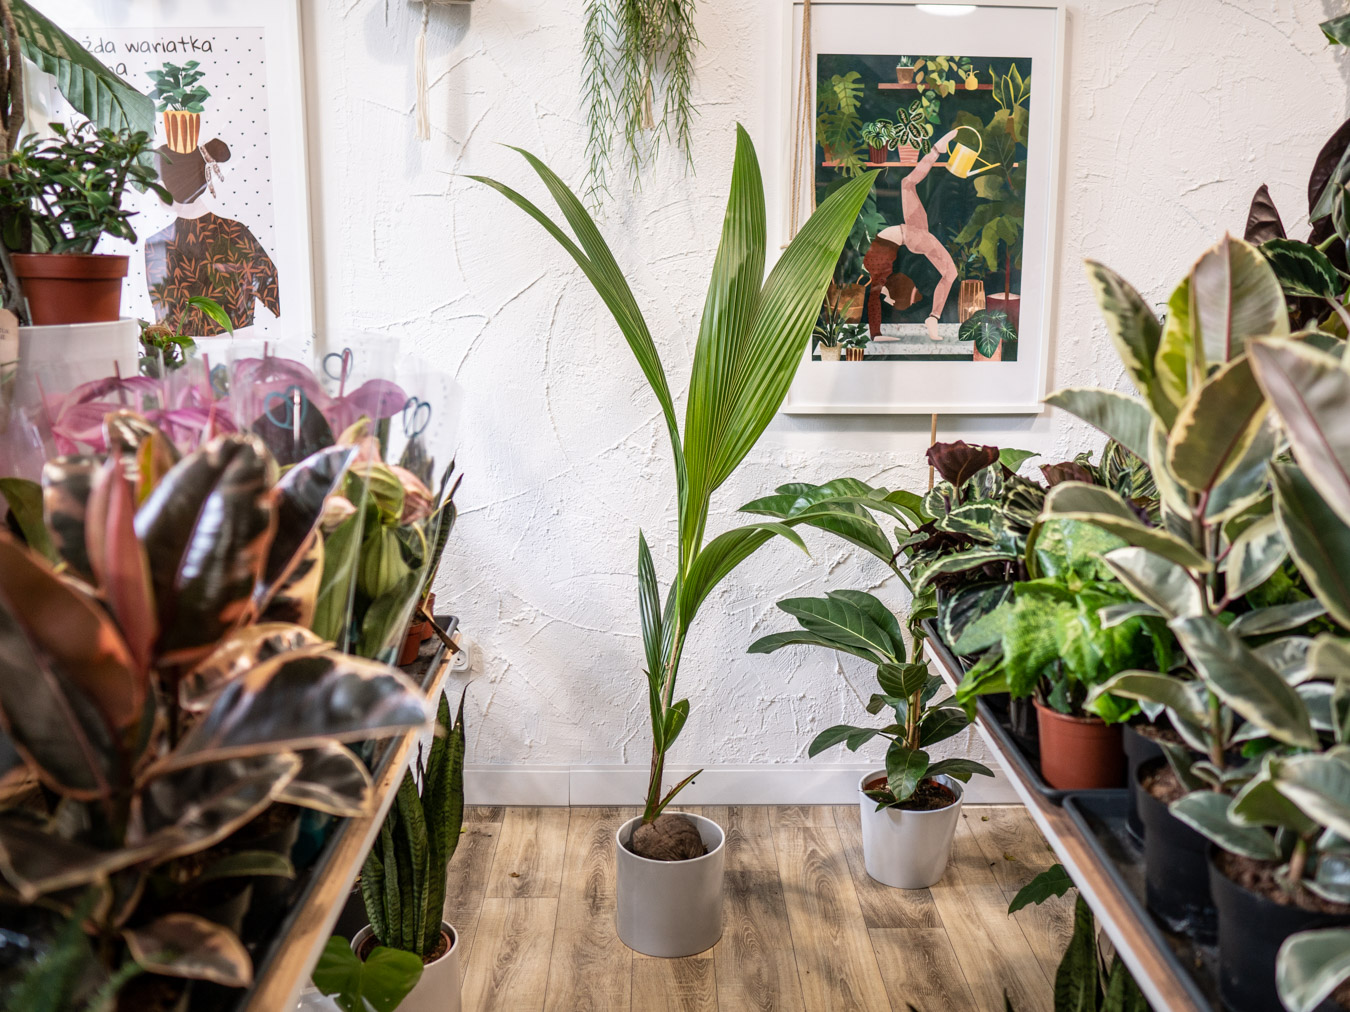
{"points": [[229, 147]]}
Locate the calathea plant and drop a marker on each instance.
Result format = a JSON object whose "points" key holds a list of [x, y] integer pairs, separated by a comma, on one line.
{"points": [[855, 622], [751, 339], [143, 691]]}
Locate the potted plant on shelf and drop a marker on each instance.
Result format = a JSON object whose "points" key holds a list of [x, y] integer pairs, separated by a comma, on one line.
{"points": [[854, 338], [179, 95], [838, 123], [910, 807], [406, 871], [987, 330], [877, 136], [751, 342], [59, 196], [904, 70], [826, 334], [910, 134]]}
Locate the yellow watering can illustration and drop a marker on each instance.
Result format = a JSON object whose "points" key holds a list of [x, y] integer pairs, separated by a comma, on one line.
{"points": [[961, 160]]}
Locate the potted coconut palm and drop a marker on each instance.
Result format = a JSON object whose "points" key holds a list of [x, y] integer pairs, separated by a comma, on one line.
{"points": [[58, 197], [911, 806], [751, 341]]}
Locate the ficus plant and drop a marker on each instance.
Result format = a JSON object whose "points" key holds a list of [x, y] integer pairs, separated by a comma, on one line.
{"points": [[752, 337], [178, 87], [153, 703], [855, 622]]}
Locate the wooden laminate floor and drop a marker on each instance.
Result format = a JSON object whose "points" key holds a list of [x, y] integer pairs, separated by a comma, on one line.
{"points": [[804, 928]]}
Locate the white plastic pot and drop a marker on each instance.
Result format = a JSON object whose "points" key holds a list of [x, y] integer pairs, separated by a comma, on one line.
{"points": [[670, 908], [907, 850], [438, 988]]}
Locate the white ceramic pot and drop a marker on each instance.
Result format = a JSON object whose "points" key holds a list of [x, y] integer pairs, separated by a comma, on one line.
{"points": [[907, 850], [438, 988], [670, 908]]}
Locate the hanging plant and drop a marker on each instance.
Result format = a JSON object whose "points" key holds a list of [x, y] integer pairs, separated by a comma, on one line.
{"points": [[633, 50]]}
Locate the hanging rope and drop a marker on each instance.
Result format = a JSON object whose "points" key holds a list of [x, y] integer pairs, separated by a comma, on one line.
{"points": [[803, 138], [423, 115]]}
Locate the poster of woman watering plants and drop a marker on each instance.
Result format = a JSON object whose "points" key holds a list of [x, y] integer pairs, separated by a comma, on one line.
{"points": [[940, 300]]}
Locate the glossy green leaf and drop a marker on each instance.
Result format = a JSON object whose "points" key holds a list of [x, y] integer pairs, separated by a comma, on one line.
{"points": [[1157, 581], [1277, 618], [1236, 297], [1318, 539], [1249, 686], [1075, 986], [960, 769], [1178, 695], [1074, 500], [1254, 556], [1207, 813], [832, 736], [843, 622], [1319, 785], [1309, 390], [24, 499], [1312, 964], [723, 554], [905, 767], [1123, 418], [1215, 426], [380, 983], [902, 680], [1054, 881], [649, 607], [941, 723]]}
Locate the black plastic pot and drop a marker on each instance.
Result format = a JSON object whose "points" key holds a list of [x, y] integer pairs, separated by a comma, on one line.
{"points": [[1024, 726], [1138, 750], [1176, 867], [1251, 931]]}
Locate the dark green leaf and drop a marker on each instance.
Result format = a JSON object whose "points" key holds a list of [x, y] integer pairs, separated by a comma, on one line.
{"points": [[1054, 881]]}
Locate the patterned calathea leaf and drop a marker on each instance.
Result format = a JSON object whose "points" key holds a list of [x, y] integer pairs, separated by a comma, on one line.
{"points": [[303, 699], [300, 497], [206, 528], [70, 691], [240, 653]]}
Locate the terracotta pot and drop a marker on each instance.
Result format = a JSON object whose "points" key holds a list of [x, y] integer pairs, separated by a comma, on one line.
{"points": [[1079, 753], [904, 75], [970, 301], [829, 354], [853, 354], [182, 130], [877, 155], [997, 356], [907, 155], [412, 642], [72, 287], [850, 298], [429, 606], [1011, 304]]}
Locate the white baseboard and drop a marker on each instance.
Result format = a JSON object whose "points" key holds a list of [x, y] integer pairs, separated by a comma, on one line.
{"points": [[535, 785]]}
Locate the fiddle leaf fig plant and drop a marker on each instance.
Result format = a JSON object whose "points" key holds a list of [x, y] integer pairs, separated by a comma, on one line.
{"points": [[751, 340], [855, 622]]}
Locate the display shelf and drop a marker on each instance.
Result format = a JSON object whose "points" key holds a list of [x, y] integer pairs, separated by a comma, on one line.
{"points": [[1154, 966], [886, 165], [281, 974]]}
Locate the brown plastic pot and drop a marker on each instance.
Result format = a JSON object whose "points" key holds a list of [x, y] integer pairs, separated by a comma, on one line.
{"points": [[412, 642], [904, 75], [1010, 304], [878, 156], [72, 287], [1079, 753], [429, 606]]}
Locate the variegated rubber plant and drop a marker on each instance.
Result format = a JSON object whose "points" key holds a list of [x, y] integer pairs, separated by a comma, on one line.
{"points": [[147, 687], [751, 340]]}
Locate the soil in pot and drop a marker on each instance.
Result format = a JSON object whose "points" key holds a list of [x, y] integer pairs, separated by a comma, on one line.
{"points": [[1256, 915], [443, 944], [1176, 857], [1141, 745], [669, 837], [930, 796], [1079, 753]]}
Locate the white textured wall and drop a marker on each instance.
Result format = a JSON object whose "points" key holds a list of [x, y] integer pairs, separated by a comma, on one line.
{"points": [[1176, 111]]}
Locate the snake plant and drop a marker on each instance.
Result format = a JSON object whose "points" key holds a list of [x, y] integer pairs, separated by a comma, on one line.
{"points": [[403, 879], [753, 335]]}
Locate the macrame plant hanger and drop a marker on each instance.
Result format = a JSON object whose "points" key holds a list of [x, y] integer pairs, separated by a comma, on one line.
{"points": [[423, 114]]}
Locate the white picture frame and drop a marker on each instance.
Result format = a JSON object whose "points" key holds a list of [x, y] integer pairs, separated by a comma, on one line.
{"points": [[263, 185], [995, 29]]}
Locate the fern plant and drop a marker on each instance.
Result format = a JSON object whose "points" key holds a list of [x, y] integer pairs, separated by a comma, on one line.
{"points": [[403, 879]]}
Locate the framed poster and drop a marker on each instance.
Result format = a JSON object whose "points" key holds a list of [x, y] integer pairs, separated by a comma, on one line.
{"points": [[229, 146], [941, 300]]}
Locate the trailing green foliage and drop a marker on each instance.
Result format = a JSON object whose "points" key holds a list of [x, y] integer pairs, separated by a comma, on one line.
{"points": [[403, 878]]}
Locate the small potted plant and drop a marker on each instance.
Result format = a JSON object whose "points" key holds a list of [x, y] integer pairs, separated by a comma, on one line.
{"points": [[854, 337], [406, 870], [911, 807], [904, 70], [61, 195], [829, 325], [877, 136], [179, 96], [910, 134], [987, 330]]}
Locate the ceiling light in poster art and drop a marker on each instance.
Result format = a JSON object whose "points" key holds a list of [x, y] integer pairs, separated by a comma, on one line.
{"points": [[941, 299]]}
